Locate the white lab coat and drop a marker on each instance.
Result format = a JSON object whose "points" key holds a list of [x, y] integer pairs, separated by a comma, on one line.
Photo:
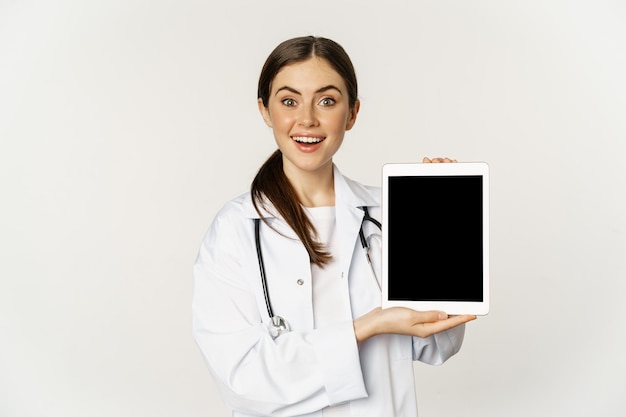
{"points": [[300, 372]]}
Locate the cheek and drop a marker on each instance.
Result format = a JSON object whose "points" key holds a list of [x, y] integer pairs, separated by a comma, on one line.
{"points": [[282, 121], [339, 122]]}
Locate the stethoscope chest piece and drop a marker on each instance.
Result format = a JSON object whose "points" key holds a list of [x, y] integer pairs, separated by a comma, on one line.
{"points": [[279, 326]]}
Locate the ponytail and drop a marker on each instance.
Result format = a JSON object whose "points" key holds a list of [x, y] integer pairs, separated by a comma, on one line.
{"points": [[271, 183]]}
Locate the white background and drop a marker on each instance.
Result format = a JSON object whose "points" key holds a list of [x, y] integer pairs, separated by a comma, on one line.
{"points": [[125, 125]]}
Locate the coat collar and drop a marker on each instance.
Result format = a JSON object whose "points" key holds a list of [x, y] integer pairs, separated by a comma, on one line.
{"points": [[349, 195]]}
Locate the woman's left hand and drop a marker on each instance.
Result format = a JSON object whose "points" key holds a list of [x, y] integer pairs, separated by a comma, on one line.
{"points": [[427, 160]]}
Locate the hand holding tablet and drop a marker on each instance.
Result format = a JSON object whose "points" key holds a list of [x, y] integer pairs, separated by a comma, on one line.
{"points": [[436, 237], [400, 320]]}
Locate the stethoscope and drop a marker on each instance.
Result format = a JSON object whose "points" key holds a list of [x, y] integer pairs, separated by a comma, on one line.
{"points": [[279, 324]]}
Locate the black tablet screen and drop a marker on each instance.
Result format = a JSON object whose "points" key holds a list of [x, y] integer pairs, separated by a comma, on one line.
{"points": [[435, 238]]}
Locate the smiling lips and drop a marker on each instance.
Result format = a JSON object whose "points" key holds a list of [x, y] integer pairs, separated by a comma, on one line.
{"points": [[307, 139]]}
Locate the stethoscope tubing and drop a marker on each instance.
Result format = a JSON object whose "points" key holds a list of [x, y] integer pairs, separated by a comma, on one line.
{"points": [[278, 322], [367, 217], [259, 253]]}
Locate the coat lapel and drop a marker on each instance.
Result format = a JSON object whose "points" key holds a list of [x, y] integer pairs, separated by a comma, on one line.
{"points": [[349, 198]]}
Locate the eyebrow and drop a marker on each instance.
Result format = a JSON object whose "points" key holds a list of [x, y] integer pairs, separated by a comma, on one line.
{"points": [[319, 90]]}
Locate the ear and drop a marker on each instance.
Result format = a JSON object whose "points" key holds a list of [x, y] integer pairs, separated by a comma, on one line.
{"points": [[264, 112], [352, 115]]}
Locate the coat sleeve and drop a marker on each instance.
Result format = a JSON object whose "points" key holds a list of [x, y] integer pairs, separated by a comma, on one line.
{"points": [[298, 372], [440, 347]]}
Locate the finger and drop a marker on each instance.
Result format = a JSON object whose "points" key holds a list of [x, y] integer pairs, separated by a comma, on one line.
{"points": [[430, 328], [430, 316], [404, 320], [426, 160]]}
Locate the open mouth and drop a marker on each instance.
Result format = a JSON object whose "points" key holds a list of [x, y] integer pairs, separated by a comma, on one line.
{"points": [[307, 139]]}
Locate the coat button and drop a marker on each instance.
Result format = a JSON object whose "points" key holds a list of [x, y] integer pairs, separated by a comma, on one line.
{"points": [[300, 281]]}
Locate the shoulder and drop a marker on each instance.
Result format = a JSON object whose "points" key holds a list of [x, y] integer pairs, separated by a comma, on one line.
{"points": [[233, 218], [373, 191], [240, 206], [367, 195]]}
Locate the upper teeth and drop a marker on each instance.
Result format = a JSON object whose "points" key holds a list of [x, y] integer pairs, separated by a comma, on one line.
{"points": [[306, 139]]}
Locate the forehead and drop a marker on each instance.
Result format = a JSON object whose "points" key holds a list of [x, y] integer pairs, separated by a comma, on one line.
{"points": [[310, 74]]}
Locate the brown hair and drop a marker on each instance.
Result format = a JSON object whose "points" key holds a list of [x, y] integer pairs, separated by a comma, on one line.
{"points": [[270, 181]]}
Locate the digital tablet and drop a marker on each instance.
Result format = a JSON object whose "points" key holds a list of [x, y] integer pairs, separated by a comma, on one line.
{"points": [[436, 236]]}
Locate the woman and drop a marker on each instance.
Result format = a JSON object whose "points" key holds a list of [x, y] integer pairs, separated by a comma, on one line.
{"points": [[296, 235]]}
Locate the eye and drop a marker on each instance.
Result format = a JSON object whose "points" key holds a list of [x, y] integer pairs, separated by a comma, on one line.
{"points": [[289, 102], [327, 101]]}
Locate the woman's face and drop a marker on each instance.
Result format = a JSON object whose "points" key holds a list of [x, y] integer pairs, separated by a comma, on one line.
{"points": [[309, 112]]}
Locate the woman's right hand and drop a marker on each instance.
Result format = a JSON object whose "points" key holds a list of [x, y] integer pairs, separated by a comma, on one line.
{"points": [[401, 320], [428, 160]]}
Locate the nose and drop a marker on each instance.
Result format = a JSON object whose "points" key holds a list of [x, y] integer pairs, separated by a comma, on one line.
{"points": [[307, 117]]}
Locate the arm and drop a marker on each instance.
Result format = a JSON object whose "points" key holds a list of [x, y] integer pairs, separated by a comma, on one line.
{"points": [[440, 347], [296, 373], [436, 336], [405, 321]]}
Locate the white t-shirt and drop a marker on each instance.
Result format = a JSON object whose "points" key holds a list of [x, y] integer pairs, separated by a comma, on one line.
{"points": [[330, 304]]}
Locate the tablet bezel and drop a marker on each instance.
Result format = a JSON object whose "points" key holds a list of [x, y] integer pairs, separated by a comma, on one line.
{"points": [[438, 169]]}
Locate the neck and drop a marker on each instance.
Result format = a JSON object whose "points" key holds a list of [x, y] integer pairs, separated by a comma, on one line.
{"points": [[314, 189]]}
